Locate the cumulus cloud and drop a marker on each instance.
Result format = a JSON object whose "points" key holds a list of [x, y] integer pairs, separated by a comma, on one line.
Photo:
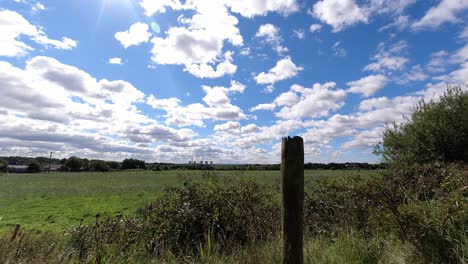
{"points": [[417, 73], [84, 116], [284, 69], [367, 86], [315, 28], [445, 12], [317, 101], [270, 34], [199, 42], [13, 26], [267, 107], [205, 70], [217, 106], [137, 34], [339, 13], [389, 59], [464, 34], [117, 61]]}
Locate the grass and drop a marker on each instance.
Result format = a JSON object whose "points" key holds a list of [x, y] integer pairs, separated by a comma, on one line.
{"points": [[56, 201]]}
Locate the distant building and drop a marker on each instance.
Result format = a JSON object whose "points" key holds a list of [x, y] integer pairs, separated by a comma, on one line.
{"points": [[190, 162], [206, 162], [211, 162], [17, 168], [53, 167]]}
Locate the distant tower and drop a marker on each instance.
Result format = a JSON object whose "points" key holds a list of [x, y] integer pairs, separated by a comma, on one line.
{"points": [[206, 162], [211, 162]]}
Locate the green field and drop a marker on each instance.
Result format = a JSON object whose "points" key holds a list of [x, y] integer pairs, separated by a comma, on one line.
{"points": [[57, 201]]}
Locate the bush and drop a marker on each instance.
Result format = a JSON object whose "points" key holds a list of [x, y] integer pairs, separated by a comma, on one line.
{"points": [[131, 164], [436, 131], [98, 165], [229, 211], [186, 220], [34, 166], [73, 164]]}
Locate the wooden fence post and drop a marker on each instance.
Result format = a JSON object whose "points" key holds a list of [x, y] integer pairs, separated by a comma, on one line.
{"points": [[292, 204]]}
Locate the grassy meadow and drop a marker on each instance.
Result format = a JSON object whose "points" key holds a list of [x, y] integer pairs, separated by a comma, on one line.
{"points": [[59, 200]]}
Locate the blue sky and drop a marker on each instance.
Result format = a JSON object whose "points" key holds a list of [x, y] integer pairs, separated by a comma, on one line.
{"points": [[222, 80]]}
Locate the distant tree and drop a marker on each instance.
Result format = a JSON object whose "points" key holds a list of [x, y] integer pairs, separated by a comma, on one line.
{"points": [[130, 164], [436, 131], [113, 165], [98, 165], [73, 163], [34, 166], [3, 165]]}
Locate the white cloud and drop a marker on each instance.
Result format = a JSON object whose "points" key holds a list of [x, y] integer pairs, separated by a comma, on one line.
{"points": [[38, 6], [284, 69], [137, 34], [438, 61], [445, 12], [85, 116], [313, 102], [416, 73], [270, 34], [13, 26], [338, 50], [249, 8], [206, 71], [217, 106], [230, 127], [267, 107], [315, 28], [464, 34], [367, 86], [117, 61], [198, 44], [339, 13], [287, 99], [389, 59], [160, 6], [389, 7], [400, 23], [300, 34], [245, 8], [365, 139]]}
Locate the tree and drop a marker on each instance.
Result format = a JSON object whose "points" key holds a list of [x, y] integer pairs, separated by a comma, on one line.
{"points": [[98, 165], [73, 163], [436, 131], [34, 166], [129, 164], [3, 165]]}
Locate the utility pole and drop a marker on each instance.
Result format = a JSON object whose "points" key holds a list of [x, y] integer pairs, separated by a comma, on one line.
{"points": [[50, 161]]}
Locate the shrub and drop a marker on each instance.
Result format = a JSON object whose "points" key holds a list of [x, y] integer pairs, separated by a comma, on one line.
{"points": [[436, 130], [185, 220], [425, 205], [34, 166], [230, 211]]}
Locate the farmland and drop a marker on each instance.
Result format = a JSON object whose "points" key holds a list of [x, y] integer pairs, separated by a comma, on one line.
{"points": [[57, 201]]}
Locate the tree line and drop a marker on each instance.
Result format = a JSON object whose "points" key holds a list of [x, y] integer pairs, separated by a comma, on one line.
{"points": [[74, 164]]}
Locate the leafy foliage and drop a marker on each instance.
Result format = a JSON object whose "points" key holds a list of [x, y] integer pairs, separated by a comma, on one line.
{"points": [[130, 164], [73, 164], [34, 166], [436, 130]]}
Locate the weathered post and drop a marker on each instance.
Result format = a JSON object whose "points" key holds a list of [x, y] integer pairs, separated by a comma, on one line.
{"points": [[292, 207]]}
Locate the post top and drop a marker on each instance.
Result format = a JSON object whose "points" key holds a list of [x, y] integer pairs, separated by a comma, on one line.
{"points": [[292, 148]]}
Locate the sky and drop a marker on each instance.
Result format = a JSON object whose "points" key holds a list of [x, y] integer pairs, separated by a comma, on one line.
{"points": [[220, 80]]}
